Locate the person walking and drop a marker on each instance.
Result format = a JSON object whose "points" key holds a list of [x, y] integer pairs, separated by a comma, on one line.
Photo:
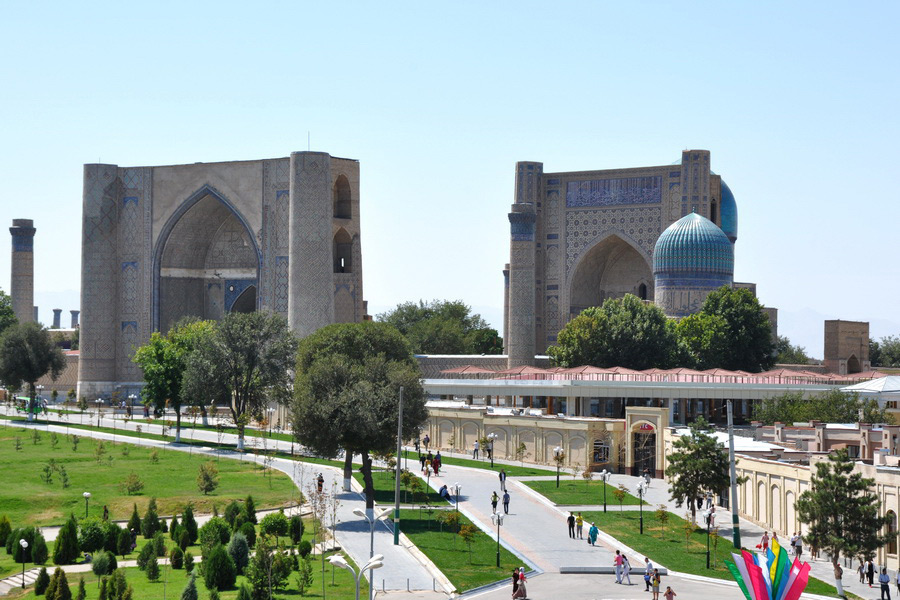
{"points": [[515, 581], [475, 450], [654, 584], [503, 479], [505, 503], [437, 462], [418, 447], [898, 581], [870, 572], [570, 521], [793, 547], [494, 499], [320, 482], [798, 545], [885, 580], [426, 441], [422, 460], [618, 562], [626, 569], [670, 593], [764, 541], [579, 524], [861, 570], [648, 573], [592, 534]]}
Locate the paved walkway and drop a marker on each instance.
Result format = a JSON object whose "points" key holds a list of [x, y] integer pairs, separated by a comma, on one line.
{"points": [[401, 571]]}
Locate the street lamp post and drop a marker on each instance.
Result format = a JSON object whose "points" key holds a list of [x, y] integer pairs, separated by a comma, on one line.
{"points": [[557, 452], [604, 477], [87, 497], [371, 521], [641, 490], [40, 399], [24, 545], [375, 562], [271, 412], [498, 519], [706, 515], [491, 437], [99, 402], [458, 488]]}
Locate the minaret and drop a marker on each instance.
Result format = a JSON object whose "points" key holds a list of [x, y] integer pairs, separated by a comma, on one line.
{"points": [[21, 287], [74, 314], [522, 218], [57, 317]]}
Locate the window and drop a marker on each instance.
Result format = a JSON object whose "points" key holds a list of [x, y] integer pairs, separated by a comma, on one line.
{"points": [[892, 533], [601, 451], [343, 252], [714, 212], [341, 192], [642, 291]]}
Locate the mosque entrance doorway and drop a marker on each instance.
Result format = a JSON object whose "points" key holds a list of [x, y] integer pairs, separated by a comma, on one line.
{"points": [[611, 269], [207, 264], [644, 457], [853, 364]]}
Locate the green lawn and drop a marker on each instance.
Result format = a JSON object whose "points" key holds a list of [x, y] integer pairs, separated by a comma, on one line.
{"points": [[511, 470], [580, 492], [673, 548], [383, 481], [172, 480], [464, 568]]}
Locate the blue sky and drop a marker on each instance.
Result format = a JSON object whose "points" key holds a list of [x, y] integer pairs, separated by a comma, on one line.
{"points": [[796, 101]]}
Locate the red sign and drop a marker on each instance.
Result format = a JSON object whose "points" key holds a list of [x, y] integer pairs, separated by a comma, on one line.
{"points": [[645, 427]]}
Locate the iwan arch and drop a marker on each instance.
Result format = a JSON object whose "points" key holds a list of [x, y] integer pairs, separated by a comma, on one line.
{"points": [[205, 239]]}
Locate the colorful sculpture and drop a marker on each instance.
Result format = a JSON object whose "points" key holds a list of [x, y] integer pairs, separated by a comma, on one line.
{"points": [[777, 579]]}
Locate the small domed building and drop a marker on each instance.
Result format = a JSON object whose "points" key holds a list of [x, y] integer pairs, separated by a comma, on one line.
{"points": [[692, 257]]}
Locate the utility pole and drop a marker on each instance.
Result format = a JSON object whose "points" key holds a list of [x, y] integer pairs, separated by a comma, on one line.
{"points": [[735, 520], [397, 478]]}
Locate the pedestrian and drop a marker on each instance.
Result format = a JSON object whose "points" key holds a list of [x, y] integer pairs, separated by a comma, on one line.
{"points": [[320, 481], [579, 524], [417, 446], [570, 521], [437, 461], [422, 460], [709, 500], [506, 503], [764, 542], [105, 513], [515, 581], [592, 534], [503, 479], [490, 450], [626, 569], [617, 562], [793, 546], [494, 499], [427, 440], [898, 581], [798, 545], [861, 570], [885, 580], [870, 572], [444, 492], [434, 466], [648, 573], [475, 450], [654, 583], [712, 517], [521, 592], [670, 593]]}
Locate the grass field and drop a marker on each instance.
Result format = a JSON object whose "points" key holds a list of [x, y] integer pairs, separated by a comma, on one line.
{"points": [[172, 480], [383, 481], [511, 470], [580, 492], [673, 547], [464, 568]]}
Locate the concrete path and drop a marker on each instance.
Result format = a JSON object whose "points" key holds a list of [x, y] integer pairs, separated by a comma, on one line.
{"points": [[402, 569]]}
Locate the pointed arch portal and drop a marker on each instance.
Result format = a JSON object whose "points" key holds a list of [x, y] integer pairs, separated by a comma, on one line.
{"points": [[611, 269], [207, 262]]}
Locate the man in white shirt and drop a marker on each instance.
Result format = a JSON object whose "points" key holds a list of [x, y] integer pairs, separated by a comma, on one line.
{"points": [[648, 573]]}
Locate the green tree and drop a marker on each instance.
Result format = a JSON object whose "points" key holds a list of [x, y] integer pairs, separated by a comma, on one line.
{"points": [[190, 590], [788, 354], [123, 544], [841, 513], [296, 529], [624, 332], [219, 571], [250, 509], [163, 361], [7, 316], [189, 523], [702, 338], [748, 334], [885, 353], [65, 550], [134, 523], [91, 535], [62, 586], [443, 327], [5, 529], [274, 523], [697, 464], [82, 591], [26, 354], [349, 376], [245, 363], [833, 406], [207, 477], [152, 569], [214, 532], [150, 522], [42, 581], [239, 551]]}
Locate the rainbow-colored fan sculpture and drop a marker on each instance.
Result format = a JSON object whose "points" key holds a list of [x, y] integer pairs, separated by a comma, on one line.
{"points": [[776, 579]]}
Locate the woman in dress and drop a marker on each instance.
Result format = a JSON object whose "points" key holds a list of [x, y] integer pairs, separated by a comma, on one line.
{"points": [[592, 534]]}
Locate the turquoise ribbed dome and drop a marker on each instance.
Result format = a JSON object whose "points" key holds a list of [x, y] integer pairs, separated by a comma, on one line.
{"points": [[729, 213], [693, 247]]}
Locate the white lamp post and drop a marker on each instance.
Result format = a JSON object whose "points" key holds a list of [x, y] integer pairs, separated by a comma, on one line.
{"points": [[99, 402], [557, 452], [497, 519], [604, 477], [24, 545], [376, 562], [641, 490], [385, 512], [271, 412], [87, 497]]}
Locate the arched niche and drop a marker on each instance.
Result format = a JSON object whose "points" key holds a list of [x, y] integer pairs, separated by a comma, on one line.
{"points": [[343, 208], [206, 261], [343, 252], [610, 269]]}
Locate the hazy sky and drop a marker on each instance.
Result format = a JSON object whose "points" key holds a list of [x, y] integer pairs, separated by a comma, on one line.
{"points": [[797, 102]]}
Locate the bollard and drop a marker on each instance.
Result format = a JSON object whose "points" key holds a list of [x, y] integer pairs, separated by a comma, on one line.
{"points": [[407, 584]]}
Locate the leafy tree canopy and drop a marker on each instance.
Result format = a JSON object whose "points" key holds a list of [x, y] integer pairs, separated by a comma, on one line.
{"points": [[833, 406], [747, 334], [245, 363], [7, 316], [885, 353], [788, 354], [347, 389], [624, 332], [443, 327], [26, 354]]}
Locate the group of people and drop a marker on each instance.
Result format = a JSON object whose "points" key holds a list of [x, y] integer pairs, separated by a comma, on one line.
{"points": [[794, 547], [576, 529], [866, 571], [518, 581], [488, 449], [495, 499], [430, 462]]}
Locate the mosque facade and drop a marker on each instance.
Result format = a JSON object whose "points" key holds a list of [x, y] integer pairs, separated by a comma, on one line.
{"points": [[205, 239], [665, 234]]}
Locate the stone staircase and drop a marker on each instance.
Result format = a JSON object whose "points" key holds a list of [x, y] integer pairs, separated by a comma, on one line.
{"points": [[15, 581]]}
